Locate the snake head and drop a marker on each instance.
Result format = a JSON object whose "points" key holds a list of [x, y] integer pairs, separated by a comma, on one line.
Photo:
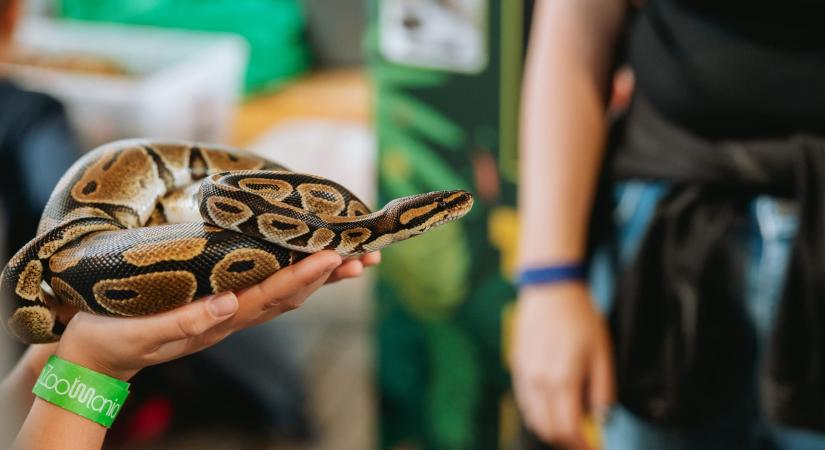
{"points": [[420, 213]]}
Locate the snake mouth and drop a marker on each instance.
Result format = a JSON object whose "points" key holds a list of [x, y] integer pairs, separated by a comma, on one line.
{"points": [[459, 208], [446, 220], [463, 205], [457, 212]]}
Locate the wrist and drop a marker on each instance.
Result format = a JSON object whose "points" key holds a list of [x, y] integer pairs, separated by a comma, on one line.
{"points": [[35, 358], [565, 285], [554, 297], [562, 288], [81, 391], [69, 352], [550, 274]]}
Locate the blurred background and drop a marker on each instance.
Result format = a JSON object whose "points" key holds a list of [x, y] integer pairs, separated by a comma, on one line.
{"points": [[389, 98]]}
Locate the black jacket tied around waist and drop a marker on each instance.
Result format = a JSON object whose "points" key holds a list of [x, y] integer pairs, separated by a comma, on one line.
{"points": [[683, 343]]}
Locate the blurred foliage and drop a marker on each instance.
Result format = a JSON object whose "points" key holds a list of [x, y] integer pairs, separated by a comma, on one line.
{"points": [[441, 296], [485, 312], [503, 231], [430, 273], [405, 377], [411, 139], [386, 75], [428, 171], [456, 386], [420, 118]]}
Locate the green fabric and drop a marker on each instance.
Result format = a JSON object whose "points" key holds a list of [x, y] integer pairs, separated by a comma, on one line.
{"points": [[87, 393], [274, 29], [443, 296]]}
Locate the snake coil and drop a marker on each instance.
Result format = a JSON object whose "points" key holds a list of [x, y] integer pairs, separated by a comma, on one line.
{"points": [[138, 227]]}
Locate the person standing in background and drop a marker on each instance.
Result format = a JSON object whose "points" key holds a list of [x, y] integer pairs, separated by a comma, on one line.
{"points": [[37, 146], [711, 265]]}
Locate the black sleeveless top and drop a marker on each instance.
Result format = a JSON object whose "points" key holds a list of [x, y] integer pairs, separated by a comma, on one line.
{"points": [[733, 68]]}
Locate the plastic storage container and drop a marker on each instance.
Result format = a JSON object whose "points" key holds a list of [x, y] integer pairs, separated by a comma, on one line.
{"points": [[274, 29], [175, 84]]}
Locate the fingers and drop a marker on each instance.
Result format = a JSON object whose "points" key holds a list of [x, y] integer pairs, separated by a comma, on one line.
{"points": [[552, 410], [158, 338], [183, 347], [349, 269], [601, 387], [566, 416], [162, 337], [142, 341], [188, 321], [532, 400], [285, 287], [353, 268], [551, 397], [371, 259], [292, 279]]}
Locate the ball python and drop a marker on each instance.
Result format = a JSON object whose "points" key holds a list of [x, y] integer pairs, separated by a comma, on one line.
{"points": [[139, 227]]}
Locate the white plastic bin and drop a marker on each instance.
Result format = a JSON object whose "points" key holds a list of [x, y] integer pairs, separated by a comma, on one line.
{"points": [[180, 84]]}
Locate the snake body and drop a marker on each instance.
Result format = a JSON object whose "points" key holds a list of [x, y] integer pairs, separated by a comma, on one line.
{"points": [[138, 227]]}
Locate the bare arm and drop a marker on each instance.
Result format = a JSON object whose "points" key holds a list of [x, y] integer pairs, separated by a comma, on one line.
{"points": [[561, 360], [15, 390], [563, 124], [120, 347]]}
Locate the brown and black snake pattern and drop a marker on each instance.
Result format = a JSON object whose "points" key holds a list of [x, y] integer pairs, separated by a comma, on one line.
{"points": [[138, 227]]}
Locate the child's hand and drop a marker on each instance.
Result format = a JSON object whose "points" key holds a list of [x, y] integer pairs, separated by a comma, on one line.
{"points": [[120, 347], [352, 267]]}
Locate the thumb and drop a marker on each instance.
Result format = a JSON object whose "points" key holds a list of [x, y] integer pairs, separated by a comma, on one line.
{"points": [[191, 320]]}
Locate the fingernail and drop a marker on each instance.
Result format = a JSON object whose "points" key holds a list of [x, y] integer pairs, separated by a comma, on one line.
{"points": [[223, 305]]}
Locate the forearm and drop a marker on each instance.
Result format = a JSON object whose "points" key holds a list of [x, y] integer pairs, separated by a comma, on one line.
{"points": [[47, 426], [562, 136], [15, 391], [51, 427], [42, 425], [563, 142]]}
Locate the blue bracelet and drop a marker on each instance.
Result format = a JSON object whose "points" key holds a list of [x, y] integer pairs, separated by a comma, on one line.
{"points": [[552, 274]]}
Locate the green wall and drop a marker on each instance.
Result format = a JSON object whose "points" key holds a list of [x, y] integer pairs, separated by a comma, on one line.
{"points": [[443, 297]]}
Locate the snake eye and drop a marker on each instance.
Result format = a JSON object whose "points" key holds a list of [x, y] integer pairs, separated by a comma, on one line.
{"points": [[442, 204]]}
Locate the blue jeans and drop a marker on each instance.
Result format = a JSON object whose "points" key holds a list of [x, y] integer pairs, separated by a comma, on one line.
{"points": [[766, 241]]}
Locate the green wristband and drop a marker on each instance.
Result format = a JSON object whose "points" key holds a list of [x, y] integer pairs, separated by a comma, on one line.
{"points": [[87, 393]]}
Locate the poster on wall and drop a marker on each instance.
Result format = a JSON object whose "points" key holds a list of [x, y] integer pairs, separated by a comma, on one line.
{"points": [[449, 36]]}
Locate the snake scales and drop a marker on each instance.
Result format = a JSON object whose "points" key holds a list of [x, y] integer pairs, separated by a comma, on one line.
{"points": [[138, 227]]}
